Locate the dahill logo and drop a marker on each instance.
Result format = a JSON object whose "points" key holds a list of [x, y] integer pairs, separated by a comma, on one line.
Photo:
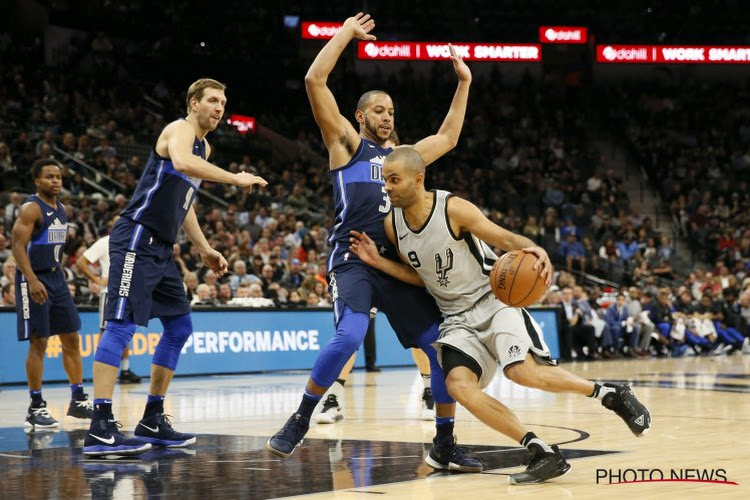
{"points": [[687, 475]]}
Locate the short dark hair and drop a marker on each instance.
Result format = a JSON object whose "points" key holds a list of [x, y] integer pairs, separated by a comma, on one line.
{"points": [[37, 166], [362, 103]]}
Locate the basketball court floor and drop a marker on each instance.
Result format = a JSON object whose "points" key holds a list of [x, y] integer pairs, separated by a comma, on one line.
{"points": [[698, 446]]}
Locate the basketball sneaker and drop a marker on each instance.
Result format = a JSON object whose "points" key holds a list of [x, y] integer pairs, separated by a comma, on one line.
{"points": [[39, 417], [624, 403], [542, 467], [289, 437], [428, 405], [330, 412], [81, 407], [445, 455], [157, 430], [104, 438], [128, 377]]}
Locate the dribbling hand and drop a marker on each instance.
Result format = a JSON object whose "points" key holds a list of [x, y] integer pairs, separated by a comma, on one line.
{"points": [[543, 262], [363, 247], [359, 26], [246, 180], [462, 70]]}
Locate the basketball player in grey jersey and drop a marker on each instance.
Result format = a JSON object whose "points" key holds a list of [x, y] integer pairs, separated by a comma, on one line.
{"points": [[441, 241]]}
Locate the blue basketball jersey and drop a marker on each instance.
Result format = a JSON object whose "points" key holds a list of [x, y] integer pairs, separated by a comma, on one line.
{"points": [[360, 202], [47, 241], [164, 195]]}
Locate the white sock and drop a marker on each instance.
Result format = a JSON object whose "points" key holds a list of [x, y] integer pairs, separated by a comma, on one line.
{"points": [[426, 381], [125, 365], [600, 391]]}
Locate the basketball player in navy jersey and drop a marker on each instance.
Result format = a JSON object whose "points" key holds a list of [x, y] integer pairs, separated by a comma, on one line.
{"points": [[143, 280], [441, 240], [355, 161], [43, 301]]}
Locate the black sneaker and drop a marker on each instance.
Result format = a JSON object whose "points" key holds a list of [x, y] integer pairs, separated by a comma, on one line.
{"points": [[428, 405], [104, 438], [289, 437], [331, 411], [445, 455], [624, 403], [39, 417], [81, 408], [128, 377], [157, 430], [542, 467]]}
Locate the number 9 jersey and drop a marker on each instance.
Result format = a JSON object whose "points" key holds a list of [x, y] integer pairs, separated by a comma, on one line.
{"points": [[361, 202]]}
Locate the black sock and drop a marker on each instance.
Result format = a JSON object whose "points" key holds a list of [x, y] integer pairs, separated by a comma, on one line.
{"points": [[341, 381], [597, 388], [36, 398], [444, 430], [308, 404], [153, 408], [103, 409]]}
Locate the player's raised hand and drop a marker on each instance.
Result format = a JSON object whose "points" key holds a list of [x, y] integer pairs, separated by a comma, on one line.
{"points": [[462, 70], [360, 26], [543, 262], [247, 181], [215, 261], [363, 247]]}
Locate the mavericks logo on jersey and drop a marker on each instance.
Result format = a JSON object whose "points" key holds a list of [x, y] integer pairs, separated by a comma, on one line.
{"points": [[442, 268], [56, 232]]}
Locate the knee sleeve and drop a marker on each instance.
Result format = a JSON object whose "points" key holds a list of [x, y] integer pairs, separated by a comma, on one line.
{"points": [[350, 333], [177, 329], [116, 336], [437, 377]]}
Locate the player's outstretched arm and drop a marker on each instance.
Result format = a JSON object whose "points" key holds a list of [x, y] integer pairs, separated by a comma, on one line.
{"points": [[23, 228], [337, 131], [213, 259], [465, 217], [180, 136], [433, 147], [363, 247]]}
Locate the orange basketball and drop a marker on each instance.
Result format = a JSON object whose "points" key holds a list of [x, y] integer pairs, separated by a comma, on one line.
{"points": [[514, 281]]}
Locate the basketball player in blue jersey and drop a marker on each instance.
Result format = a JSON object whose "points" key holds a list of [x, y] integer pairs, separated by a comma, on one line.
{"points": [[478, 331], [43, 301], [143, 280], [355, 161]]}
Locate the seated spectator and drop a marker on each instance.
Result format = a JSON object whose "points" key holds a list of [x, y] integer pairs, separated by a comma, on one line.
{"points": [[202, 296], [572, 251], [240, 276], [9, 295], [9, 271], [622, 329], [224, 295], [293, 278]]}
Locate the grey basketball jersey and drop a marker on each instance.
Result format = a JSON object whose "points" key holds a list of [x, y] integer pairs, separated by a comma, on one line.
{"points": [[454, 270]]}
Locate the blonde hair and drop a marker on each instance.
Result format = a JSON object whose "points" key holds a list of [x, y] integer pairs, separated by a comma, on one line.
{"points": [[197, 88]]}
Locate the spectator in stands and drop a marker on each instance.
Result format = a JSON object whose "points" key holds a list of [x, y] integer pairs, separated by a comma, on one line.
{"points": [[582, 334], [292, 279], [240, 275], [661, 316], [190, 281], [202, 296], [622, 328], [5, 252], [572, 252], [224, 294], [9, 271], [9, 295]]}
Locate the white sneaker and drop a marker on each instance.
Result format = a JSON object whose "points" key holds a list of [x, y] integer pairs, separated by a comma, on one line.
{"points": [[428, 405], [331, 412]]}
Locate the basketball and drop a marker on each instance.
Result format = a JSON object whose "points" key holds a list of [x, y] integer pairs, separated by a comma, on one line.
{"points": [[514, 280]]}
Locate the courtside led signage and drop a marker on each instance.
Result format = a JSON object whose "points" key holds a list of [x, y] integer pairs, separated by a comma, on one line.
{"points": [[320, 30], [673, 54], [242, 123], [435, 51], [563, 34]]}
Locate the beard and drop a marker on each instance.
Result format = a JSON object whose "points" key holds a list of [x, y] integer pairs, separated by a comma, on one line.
{"points": [[374, 131]]}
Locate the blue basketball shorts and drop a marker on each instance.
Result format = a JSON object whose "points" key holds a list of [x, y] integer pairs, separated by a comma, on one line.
{"points": [[57, 315], [144, 281]]}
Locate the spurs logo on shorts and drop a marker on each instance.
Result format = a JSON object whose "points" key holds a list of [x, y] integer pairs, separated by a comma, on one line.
{"points": [[441, 269], [514, 351]]}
